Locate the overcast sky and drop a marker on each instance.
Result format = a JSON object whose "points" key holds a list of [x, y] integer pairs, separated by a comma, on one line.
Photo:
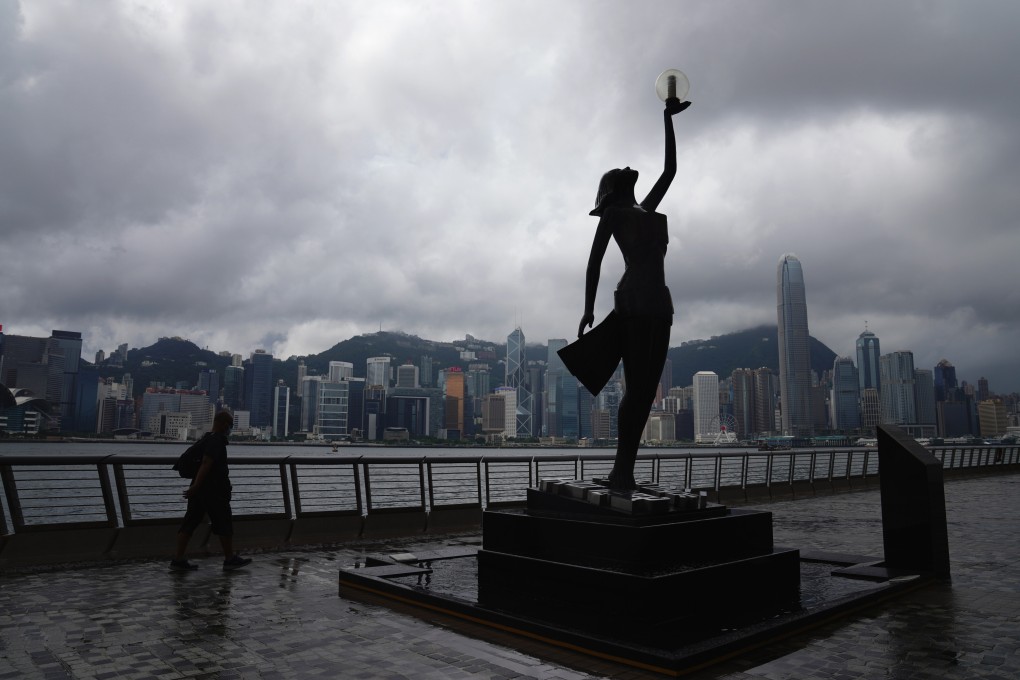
{"points": [[285, 175]]}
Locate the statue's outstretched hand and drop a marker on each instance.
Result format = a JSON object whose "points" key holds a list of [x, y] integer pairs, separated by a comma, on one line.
{"points": [[675, 106], [586, 320]]}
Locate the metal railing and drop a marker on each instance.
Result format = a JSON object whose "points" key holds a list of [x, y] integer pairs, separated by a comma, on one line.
{"points": [[121, 491]]}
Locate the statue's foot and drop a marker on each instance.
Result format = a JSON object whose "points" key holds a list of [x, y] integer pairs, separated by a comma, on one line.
{"points": [[621, 482]]}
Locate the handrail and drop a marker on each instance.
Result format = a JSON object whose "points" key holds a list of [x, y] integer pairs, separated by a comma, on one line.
{"points": [[122, 489]]}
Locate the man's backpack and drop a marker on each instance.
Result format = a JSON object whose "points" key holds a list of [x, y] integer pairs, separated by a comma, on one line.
{"points": [[189, 462]]}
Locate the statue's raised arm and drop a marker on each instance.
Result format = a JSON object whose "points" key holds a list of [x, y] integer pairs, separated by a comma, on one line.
{"points": [[654, 197]]}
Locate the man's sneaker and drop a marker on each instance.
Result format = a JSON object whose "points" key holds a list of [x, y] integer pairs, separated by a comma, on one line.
{"points": [[236, 562], [182, 565]]}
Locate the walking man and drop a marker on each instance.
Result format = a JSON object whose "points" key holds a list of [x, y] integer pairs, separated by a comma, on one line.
{"points": [[209, 494]]}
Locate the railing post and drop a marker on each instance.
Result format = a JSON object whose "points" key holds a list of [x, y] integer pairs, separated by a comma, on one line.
{"points": [[478, 477], [432, 493], [488, 483], [297, 490], [287, 510], [718, 473], [421, 480], [689, 473], [104, 484], [768, 469], [793, 461], [864, 470], [811, 471], [122, 493], [13, 501], [362, 504], [745, 464], [368, 489]]}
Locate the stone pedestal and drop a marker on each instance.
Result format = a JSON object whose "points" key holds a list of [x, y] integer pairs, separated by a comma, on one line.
{"points": [[626, 564]]}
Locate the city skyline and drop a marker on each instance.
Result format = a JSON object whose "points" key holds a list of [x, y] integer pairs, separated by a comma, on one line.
{"points": [[287, 178]]}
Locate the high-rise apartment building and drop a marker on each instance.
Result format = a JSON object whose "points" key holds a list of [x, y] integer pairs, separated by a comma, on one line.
{"points": [[868, 352], [794, 347], [516, 377], [844, 403], [706, 406]]}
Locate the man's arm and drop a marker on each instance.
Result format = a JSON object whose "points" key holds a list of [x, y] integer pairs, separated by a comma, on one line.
{"points": [[203, 472]]}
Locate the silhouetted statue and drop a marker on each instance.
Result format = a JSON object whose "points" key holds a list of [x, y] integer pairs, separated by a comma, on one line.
{"points": [[637, 330]]}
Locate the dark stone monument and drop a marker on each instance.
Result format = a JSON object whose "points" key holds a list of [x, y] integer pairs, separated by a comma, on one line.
{"points": [[654, 577], [627, 563], [913, 505]]}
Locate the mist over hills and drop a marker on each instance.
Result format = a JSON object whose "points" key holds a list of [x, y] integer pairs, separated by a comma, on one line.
{"points": [[174, 361]]}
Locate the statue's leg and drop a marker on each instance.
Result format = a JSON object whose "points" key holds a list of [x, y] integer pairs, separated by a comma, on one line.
{"points": [[644, 354]]}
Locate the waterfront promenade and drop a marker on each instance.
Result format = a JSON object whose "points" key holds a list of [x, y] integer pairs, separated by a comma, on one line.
{"points": [[282, 617]]}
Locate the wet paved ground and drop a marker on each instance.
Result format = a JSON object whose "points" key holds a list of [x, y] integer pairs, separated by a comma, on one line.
{"points": [[282, 617]]}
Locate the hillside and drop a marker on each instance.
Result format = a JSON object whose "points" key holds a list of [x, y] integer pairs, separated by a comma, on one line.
{"points": [[174, 361], [753, 348]]}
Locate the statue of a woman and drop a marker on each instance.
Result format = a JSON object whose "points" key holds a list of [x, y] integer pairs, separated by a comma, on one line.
{"points": [[643, 306]]}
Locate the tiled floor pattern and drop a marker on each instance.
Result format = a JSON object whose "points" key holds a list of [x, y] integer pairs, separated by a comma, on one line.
{"points": [[282, 617]]}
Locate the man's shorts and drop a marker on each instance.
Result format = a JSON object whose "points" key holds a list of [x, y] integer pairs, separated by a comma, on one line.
{"points": [[216, 506]]}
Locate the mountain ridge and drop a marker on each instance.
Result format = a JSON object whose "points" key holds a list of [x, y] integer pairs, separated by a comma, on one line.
{"points": [[175, 361]]}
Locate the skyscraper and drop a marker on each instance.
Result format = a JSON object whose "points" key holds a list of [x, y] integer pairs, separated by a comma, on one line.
{"points": [[706, 406], [258, 383], [897, 393], [846, 395], [378, 372], [794, 347], [868, 352], [742, 380], [233, 387], [516, 377], [281, 410], [553, 384], [453, 405]]}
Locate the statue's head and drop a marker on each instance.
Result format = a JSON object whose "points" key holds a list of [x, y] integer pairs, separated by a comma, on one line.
{"points": [[616, 186]]}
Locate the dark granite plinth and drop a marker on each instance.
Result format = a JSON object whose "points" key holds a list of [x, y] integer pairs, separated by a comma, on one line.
{"points": [[634, 601], [700, 537], [574, 559], [913, 505]]}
